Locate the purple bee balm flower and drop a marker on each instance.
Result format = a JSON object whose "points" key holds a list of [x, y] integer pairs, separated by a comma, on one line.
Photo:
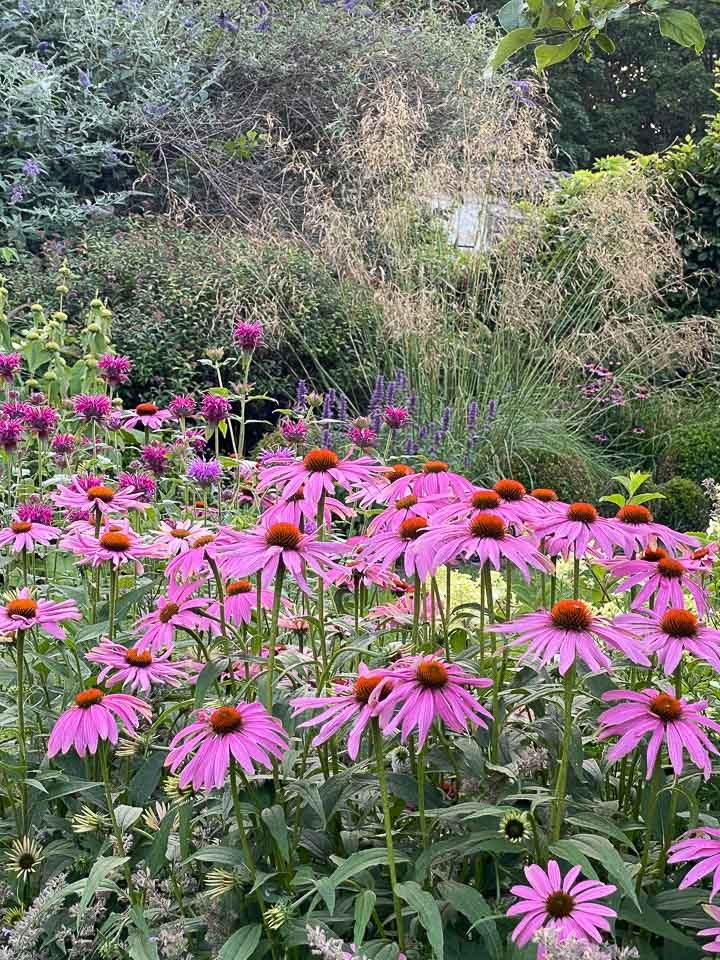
{"points": [[248, 335], [155, 458], [15, 409], [294, 431], [92, 718], [363, 437], [568, 905], [10, 434], [350, 704], [570, 631], [702, 845], [427, 688], [92, 407], [182, 406], [215, 408], [36, 512], [667, 719], [141, 483], [41, 421], [63, 444], [114, 368], [10, 364], [245, 734], [672, 633], [206, 473]]}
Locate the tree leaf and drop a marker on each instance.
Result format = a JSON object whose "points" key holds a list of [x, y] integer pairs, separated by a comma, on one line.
{"points": [[682, 27], [428, 914], [547, 54], [364, 906], [510, 44], [242, 943]]}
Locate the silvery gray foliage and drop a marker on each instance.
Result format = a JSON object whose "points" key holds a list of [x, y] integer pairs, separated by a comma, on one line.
{"points": [[23, 939]]}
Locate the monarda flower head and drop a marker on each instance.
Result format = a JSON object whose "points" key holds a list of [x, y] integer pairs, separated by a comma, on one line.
{"points": [[395, 417], [155, 457], [182, 406], [41, 420], [10, 364], [363, 437], [248, 335], [141, 483], [214, 408], [11, 432], [294, 431], [63, 444], [92, 407], [206, 473], [114, 368], [36, 512]]}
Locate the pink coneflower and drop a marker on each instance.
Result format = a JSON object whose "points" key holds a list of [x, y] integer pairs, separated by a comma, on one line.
{"points": [[240, 603], [11, 432], [141, 483], [477, 501], [484, 537], [544, 495], [578, 528], [93, 717], [667, 719], [92, 407], [318, 472], [395, 417], [63, 444], [703, 558], [426, 688], [155, 458], [215, 408], [86, 494], [351, 703], [296, 509], [370, 575], [714, 932], [10, 364], [400, 474], [434, 479], [246, 733], [26, 535], [515, 498], [661, 579], [177, 536], [565, 904], [36, 512], [263, 548], [248, 335], [23, 612], [182, 406], [41, 421], [638, 523], [570, 630], [702, 845], [673, 632], [148, 415], [114, 368], [117, 544], [193, 562], [399, 543], [294, 431], [405, 508], [178, 609], [139, 669], [401, 613]]}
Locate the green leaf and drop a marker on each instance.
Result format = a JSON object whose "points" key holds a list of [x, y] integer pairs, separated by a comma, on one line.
{"points": [[274, 820], [606, 43], [428, 914], [230, 856], [356, 863], [126, 816], [570, 851], [617, 498], [600, 848], [510, 44], [649, 919], [99, 871], [140, 947], [547, 54], [208, 675], [598, 824], [156, 857], [511, 15], [474, 907], [682, 27], [242, 943], [364, 906], [143, 784]]}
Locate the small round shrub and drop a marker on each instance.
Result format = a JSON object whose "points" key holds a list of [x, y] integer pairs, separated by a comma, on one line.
{"points": [[566, 472], [694, 450], [685, 507]]}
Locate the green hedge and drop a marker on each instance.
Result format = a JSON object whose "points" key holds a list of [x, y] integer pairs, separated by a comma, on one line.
{"points": [[175, 292]]}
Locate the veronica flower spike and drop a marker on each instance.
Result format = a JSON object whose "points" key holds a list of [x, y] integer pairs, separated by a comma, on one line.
{"points": [[318, 472], [93, 717], [245, 733], [665, 719]]}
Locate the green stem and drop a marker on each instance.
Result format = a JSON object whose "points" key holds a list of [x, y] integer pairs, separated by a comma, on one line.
{"points": [[22, 749], [421, 796], [387, 820], [561, 782], [649, 817], [277, 597]]}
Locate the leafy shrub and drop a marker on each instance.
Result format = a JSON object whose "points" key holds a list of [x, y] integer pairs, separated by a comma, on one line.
{"points": [[694, 449], [568, 473], [685, 507], [175, 292]]}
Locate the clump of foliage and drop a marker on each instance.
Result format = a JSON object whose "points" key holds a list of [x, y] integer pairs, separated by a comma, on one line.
{"points": [[686, 505]]}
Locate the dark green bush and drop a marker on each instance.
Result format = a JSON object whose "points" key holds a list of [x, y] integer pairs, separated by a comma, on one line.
{"points": [[686, 506], [175, 292], [567, 473], [694, 450]]}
